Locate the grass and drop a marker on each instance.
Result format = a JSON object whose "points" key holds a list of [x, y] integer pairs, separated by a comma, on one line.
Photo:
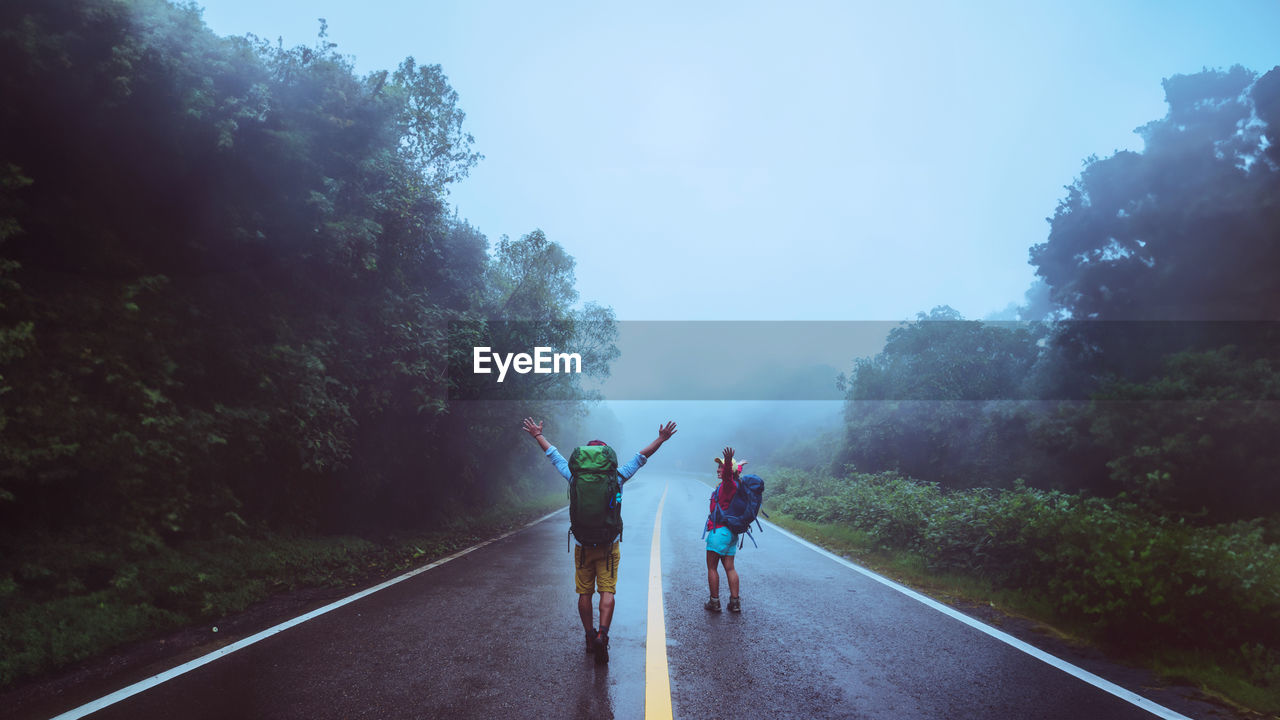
{"points": [[1232, 686], [911, 569], [1224, 684], [94, 600]]}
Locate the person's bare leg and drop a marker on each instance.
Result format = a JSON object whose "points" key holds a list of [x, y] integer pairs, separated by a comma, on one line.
{"points": [[584, 610], [732, 575], [608, 566], [606, 609], [601, 648], [713, 573]]}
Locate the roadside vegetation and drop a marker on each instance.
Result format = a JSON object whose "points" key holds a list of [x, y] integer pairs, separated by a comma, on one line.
{"points": [[1102, 458], [58, 620], [234, 302], [1196, 602]]}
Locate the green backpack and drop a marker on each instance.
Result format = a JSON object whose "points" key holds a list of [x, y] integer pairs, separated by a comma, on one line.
{"points": [[595, 496]]}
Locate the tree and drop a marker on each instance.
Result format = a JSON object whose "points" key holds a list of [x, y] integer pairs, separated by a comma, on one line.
{"points": [[1186, 229], [1198, 439], [940, 402], [235, 253], [431, 124]]}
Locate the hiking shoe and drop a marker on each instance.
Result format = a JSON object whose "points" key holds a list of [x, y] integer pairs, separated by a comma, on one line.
{"points": [[713, 604], [735, 605], [591, 641], [602, 649]]}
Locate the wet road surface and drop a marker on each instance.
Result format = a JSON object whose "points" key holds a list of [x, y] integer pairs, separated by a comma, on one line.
{"points": [[495, 634]]}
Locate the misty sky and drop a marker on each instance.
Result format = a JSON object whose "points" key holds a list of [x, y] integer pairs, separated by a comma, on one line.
{"points": [[836, 161]]}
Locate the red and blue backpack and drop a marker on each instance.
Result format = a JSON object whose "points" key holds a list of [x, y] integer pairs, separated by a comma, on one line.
{"points": [[743, 509]]}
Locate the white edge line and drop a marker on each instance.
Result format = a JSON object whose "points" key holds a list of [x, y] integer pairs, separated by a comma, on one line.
{"points": [[1035, 652], [186, 667]]}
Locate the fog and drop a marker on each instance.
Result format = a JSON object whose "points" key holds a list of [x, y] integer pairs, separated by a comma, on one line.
{"points": [[755, 161]]}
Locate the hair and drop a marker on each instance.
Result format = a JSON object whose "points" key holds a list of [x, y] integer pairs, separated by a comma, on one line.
{"points": [[737, 470]]}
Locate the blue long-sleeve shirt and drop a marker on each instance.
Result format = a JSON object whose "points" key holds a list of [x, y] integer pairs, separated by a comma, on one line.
{"points": [[624, 471]]}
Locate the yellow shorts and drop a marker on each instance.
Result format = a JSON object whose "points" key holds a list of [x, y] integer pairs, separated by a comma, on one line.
{"points": [[597, 569]]}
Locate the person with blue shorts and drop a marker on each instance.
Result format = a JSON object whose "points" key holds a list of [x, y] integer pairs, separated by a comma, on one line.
{"points": [[722, 543]]}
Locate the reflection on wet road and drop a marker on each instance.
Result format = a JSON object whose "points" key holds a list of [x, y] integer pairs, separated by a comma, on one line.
{"points": [[494, 633]]}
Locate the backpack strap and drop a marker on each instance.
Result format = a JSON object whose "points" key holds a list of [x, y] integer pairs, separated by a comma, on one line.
{"points": [[762, 512], [712, 517], [706, 526]]}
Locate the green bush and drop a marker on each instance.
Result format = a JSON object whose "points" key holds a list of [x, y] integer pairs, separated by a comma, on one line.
{"points": [[1135, 579]]}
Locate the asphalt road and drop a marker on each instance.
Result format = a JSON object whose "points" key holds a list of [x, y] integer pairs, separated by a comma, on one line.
{"points": [[495, 634]]}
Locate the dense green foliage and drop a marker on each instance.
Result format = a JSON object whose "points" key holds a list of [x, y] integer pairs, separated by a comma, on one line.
{"points": [[1184, 230], [940, 402], [1150, 368], [230, 290], [1192, 438], [1134, 580], [1113, 454], [207, 580]]}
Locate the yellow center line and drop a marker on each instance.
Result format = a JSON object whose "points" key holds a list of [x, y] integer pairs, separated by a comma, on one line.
{"points": [[657, 692]]}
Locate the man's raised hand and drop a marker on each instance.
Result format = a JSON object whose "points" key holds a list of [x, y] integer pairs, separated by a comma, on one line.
{"points": [[666, 431], [534, 429]]}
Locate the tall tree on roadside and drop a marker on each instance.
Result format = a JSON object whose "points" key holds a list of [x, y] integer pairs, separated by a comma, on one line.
{"points": [[940, 402], [530, 301], [1187, 229]]}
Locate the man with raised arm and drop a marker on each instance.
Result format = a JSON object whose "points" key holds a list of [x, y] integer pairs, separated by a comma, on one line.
{"points": [[595, 515]]}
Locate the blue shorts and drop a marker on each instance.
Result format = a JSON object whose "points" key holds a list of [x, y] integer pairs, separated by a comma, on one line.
{"points": [[722, 542]]}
